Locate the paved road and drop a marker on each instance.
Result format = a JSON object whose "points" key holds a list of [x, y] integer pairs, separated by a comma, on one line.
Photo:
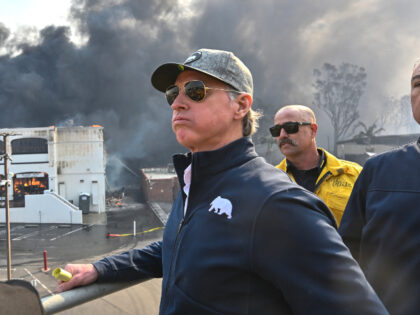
{"points": [[72, 242], [85, 243]]}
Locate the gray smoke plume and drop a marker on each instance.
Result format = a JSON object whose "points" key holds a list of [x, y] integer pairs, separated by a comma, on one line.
{"points": [[106, 80], [4, 34]]}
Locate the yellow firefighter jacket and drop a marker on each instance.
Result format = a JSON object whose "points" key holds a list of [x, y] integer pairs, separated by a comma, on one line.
{"points": [[335, 183]]}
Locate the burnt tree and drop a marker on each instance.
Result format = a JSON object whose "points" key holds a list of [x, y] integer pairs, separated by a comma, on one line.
{"points": [[337, 92]]}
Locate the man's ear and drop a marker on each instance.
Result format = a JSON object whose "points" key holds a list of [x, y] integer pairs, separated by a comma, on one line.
{"points": [[244, 102], [314, 129]]}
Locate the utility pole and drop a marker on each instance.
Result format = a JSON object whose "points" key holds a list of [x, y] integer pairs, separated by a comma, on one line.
{"points": [[6, 183]]}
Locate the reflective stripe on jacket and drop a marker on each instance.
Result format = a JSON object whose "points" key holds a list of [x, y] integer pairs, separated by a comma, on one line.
{"points": [[335, 183]]}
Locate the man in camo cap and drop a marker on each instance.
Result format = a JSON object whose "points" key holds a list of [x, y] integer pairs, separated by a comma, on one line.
{"points": [[241, 238]]}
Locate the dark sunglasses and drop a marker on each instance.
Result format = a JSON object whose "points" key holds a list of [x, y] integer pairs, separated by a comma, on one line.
{"points": [[195, 90], [289, 127]]}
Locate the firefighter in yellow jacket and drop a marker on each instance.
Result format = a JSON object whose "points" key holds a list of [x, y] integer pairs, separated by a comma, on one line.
{"points": [[332, 179]]}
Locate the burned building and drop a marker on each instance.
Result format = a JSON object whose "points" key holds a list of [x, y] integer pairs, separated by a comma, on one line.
{"points": [[159, 184], [62, 163], [360, 149]]}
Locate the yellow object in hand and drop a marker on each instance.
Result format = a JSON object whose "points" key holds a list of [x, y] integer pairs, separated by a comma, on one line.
{"points": [[61, 274]]}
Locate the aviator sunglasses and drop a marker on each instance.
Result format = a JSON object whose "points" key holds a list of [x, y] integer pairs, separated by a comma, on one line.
{"points": [[195, 90], [289, 127]]}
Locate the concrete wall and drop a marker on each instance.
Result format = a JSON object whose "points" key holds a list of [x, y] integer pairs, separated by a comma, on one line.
{"points": [[72, 185], [81, 165], [46, 208]]}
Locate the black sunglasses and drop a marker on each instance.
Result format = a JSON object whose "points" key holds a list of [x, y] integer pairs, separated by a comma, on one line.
{"points": [[195, 90], [290, 127]]}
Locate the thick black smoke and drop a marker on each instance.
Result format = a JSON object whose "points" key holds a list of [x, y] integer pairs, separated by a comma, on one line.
{"points": [[106, 80]]}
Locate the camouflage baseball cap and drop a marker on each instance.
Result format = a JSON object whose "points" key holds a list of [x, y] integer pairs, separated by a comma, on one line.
{"points": [[220, 64]]}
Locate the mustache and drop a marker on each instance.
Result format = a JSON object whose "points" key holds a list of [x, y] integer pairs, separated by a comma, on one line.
{"points": [[286, 140]]}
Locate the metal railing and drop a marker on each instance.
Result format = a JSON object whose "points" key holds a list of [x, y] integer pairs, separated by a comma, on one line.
{"points": [[62, 301], [64, 200]]}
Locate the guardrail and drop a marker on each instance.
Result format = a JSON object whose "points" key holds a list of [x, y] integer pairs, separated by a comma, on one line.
{"points": [[62, 301]]}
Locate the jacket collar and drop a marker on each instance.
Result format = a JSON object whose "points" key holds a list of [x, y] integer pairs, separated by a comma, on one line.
{"points": [[213, 162], [332, 165], [336, 167]]}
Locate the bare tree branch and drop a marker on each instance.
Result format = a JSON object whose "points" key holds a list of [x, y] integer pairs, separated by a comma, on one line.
{"points": [[337, 93]]}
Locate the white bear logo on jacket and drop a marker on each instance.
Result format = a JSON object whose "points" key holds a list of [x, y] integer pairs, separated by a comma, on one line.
{"points": [[221, 206]]}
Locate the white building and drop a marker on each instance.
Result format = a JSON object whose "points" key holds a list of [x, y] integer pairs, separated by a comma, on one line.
{"points": [[66, 162]]}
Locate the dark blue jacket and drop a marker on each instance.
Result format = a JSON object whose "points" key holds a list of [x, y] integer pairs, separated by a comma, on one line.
{"points": [[279, 253], [381, 226]]}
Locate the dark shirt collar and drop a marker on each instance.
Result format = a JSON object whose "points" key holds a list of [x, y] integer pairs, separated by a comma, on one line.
{"points": [[321, 163], [308, 178], [213, 162]]}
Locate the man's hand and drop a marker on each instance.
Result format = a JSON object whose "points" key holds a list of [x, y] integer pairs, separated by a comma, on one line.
{"points": [[83, 274]]}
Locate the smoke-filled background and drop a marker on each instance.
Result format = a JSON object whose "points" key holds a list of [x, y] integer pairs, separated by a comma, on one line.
{"points": [[96, 70]]}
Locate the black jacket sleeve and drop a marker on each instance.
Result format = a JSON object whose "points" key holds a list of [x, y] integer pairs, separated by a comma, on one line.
{"points": [[136, 264], [297, 248], [354, 215]]}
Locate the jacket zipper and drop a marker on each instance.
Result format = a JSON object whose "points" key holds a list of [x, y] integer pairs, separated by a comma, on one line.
{"points": [[179, 229], [322, 180], [170, 268], [175, 249]]}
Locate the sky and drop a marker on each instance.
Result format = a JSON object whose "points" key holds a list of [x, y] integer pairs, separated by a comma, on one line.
{"points": [[86, 62], [34, 13]]}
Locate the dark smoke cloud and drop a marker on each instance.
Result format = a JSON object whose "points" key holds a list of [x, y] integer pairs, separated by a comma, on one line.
{"points": [[106, 80], [283, 41]]}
